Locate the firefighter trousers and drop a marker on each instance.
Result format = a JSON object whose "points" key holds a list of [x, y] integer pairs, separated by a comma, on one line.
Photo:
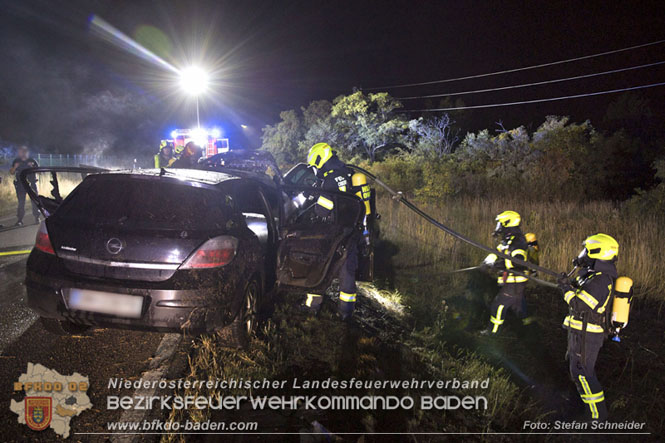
{"points": [[510, 297], [347, 284], [583, 349]]}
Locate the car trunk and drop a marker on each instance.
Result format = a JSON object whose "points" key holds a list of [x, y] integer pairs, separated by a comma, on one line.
{"points": [[134, 227]]}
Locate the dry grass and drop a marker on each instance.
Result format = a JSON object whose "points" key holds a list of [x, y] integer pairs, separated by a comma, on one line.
{"points": [[290, 345], [560, 228], [7, 194], [67, 182]]}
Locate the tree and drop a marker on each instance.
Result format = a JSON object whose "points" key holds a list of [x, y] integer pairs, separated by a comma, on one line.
{"points": [[282, 140], [568, 159], [367, 123], [319, 125], [435, 136], [316, 112]]}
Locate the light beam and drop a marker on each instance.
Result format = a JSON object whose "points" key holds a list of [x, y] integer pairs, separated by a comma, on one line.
{"points": [[112, 35]]}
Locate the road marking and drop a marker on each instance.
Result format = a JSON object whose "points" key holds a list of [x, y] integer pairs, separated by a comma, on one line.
{"points": [[25, 251], [158, 367]]}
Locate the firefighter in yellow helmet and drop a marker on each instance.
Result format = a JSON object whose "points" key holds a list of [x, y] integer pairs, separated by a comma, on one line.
{"points": [[335, 176], [588, 297], [189, 157], [511, 286], [164, 158]]}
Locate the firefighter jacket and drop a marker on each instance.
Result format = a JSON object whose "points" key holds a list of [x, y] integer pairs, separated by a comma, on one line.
{"points": [[336, 177], [589, 298], [161, 161], [515, 245]]}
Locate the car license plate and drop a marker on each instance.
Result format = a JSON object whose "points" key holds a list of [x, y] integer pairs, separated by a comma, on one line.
{"points": [[122, 305]]}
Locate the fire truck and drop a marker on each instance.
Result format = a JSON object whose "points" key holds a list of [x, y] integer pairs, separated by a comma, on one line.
{"points": [[210, 140]]}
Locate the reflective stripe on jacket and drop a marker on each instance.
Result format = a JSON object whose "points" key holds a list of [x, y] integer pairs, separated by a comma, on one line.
{"points": [[336, 178], [515, 246], [590, 301]]}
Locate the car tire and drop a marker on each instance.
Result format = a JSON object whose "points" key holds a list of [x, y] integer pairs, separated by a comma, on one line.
{"points": [[63, 327], [244, 325]]}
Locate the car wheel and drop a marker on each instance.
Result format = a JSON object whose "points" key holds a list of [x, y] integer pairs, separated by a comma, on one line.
{"points": [[63, 327], [245, 323]]}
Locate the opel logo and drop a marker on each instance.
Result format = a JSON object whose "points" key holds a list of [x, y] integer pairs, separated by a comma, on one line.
{"points": [[114, 245]]}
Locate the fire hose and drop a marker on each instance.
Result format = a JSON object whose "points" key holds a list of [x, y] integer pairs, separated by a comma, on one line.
{"points": [[402, 199], [512, 271]]}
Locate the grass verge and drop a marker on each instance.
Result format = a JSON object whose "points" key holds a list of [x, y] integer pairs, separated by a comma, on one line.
{"points": [[379, 346]]}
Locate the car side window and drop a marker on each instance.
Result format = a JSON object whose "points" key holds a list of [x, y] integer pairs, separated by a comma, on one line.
{"points": [[301, 175], [250, 203]]}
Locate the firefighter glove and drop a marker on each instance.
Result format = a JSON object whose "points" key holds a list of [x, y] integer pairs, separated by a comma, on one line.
{"points": [[563, 282]]}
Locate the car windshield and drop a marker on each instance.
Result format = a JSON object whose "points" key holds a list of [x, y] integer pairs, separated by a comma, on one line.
{"points": [[142, 202]]}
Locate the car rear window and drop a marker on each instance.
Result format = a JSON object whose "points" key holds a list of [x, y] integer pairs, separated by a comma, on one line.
{"points": [[145, 203]]}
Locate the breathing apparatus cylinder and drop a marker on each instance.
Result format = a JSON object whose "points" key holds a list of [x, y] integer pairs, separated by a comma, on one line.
{"points": [[362, 190], [623, 295], [533, 253], [359, 182]]}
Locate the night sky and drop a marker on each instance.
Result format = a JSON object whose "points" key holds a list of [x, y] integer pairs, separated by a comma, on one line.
{"points": [[64, 89]]}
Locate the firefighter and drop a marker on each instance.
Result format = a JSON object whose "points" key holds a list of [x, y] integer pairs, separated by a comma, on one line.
{"points": [[190, 156], [164, 158], [511, 286], [335, 176], [588, 299], [178, 149]]}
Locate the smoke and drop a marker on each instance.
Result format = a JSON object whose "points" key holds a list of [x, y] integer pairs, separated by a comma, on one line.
{"points": [[113, 122], [59, 101]]}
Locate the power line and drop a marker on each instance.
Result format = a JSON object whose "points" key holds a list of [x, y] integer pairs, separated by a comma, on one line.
{"points": [[526, 85], [540, 100], [542, 65]]}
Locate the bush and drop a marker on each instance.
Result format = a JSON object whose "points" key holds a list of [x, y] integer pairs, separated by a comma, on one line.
{"points": [[439, 179], [402, 173], [651, 201]]}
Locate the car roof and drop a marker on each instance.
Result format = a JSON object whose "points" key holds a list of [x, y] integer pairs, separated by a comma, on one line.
{"points": [[192, 175]]}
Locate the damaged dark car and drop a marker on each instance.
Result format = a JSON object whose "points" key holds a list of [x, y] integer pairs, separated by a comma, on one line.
{"points": [[180, 250]]}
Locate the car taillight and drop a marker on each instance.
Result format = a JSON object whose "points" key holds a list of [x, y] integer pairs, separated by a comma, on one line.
{"points": [[42, 242], [218, 251]]}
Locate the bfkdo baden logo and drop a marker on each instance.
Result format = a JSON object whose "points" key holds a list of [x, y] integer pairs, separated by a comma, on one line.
{"points": [[51, 399], [38, 412]]}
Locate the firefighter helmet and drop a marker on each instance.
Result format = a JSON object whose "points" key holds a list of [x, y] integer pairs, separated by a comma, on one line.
{"points": [[601, 247], [165, 144], [319, 154], [508, 219]]}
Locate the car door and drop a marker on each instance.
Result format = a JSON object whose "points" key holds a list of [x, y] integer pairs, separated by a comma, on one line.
{"points": [[47, 187], [311, 246], [302, 175]]}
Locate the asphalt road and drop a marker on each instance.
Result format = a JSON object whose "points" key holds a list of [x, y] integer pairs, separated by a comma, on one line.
{"points": [[16, 317], [99, 355], [13, 237]]}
